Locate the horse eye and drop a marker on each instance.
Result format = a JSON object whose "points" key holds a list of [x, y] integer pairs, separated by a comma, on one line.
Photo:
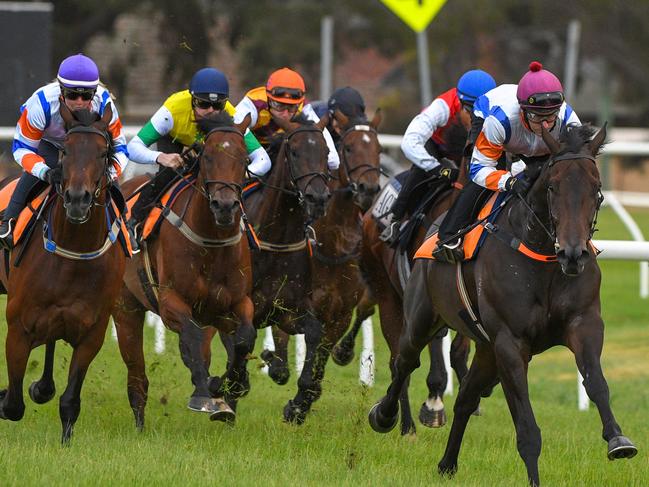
{"points": [[348, 149]]}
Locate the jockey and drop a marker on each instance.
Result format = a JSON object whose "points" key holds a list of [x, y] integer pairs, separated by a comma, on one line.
{"points": [[40, 132], [514, 115], [348, 101], [437, 133], [281, 98], [174, 125]]}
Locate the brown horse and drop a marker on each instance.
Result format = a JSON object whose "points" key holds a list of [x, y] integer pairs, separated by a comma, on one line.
{"points": [[380, 263], [66, 292], [337, 283], [195, 274], [524, 306], [294, 195]]}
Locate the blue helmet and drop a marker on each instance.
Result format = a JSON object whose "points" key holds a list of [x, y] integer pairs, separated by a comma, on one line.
{"points": [[474, 84], [209, 83]]}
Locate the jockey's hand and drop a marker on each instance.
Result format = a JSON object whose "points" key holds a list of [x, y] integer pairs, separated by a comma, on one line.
{"points": [[445, 172], [517, 185], [54, 176], [170, 160]]}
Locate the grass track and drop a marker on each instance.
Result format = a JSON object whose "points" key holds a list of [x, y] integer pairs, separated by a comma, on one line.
{"points": [[336, 446]]}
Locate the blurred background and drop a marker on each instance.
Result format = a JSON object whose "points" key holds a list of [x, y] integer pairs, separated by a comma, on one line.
{"points": [[147, 50]]}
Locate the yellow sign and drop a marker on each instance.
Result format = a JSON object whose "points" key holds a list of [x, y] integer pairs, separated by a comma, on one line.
{"points": [[416, 13]]}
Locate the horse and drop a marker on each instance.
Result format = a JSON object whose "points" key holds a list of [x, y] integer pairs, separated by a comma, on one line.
{"points": [[379, 263], [294, 194], [195, 274], [79, 254], [533, 305], [337, 284]]}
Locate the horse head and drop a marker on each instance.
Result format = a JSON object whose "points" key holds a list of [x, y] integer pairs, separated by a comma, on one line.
{"points": [[305, 151], [222, 165], [573, 193], [86, 157], [360, 153]]}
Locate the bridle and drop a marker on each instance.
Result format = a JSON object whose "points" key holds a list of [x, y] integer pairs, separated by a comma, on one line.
{"points": [[354, 184], [551, 232]]}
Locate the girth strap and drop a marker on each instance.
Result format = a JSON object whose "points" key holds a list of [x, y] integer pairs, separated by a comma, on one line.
{"points": [[469, 317], [193, 237]]}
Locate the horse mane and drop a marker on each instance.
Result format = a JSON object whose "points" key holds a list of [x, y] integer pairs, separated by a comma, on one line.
{"points": [[574, 137], [214, 121], [302, 119]]}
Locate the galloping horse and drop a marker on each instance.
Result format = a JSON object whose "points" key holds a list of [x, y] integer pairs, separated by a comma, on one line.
{"points": [[337, 284], [65, 289], [294, 195], [525, 306], [195, 274], [380, 263]]}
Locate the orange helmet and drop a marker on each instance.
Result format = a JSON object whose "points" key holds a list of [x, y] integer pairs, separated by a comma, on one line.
{"points": [[285, 86]]}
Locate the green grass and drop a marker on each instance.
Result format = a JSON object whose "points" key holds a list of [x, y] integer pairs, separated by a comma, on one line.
{"points": [[336, 446]]}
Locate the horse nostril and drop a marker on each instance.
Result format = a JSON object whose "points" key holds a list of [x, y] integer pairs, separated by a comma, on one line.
{"points": [[66, 197], [87, 198]]}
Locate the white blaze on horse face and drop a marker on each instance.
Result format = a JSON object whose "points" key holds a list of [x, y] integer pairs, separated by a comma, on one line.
{"points": [[366, 138], [226, 144], [312, 141]]}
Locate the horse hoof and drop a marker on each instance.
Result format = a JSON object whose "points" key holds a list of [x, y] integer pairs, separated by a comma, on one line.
{"points": [[38, 396], [280, 375], [446, 470], [342, 356], [621, 447], [432, 418], [294, 414], [223, 412], [380, 423], [267, 356], [202, 404]]}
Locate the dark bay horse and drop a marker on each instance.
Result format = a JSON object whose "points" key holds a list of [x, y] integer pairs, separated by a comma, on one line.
{"points": [[525, 306], [294, 195], [67, 293], [337, 284], [379, 263], [196, 273]]}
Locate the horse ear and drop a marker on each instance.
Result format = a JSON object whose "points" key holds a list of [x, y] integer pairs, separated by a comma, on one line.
{"points": [[376, 120], [550, 141], [341, 118], [598, 140], [66, 113], [108, 114], [323, 122], [244, 124]]}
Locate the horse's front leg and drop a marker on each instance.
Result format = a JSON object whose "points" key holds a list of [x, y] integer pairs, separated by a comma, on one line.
{"points": [[512, 358], [18, 347], [43, 390], [83, 354], [343, 351], [310, 381], [277, 360], [585, 339], [432, 413]]}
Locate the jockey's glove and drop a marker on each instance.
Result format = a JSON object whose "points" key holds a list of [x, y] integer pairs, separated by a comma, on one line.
{"points": [[54, 176], [517, 185], [445, 172]]}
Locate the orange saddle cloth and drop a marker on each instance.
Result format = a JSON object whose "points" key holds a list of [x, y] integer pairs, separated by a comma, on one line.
{"points": [[25, 220]]}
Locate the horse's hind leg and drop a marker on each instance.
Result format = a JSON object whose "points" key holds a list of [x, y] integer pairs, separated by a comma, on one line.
{"points": [[278, 360], [43, 390], [585, 339], [480, 376], [432, 413], [128, 315], [84, 353], [18, 348], [343, 351]]}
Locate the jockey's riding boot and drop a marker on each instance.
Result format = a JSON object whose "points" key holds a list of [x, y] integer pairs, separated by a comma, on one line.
{"points": [[410, 191], [7, 233], [458, 217], [131, 227]]}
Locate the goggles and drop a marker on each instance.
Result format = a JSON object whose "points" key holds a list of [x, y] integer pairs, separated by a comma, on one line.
{"points": [[218, 104], [538, 117], [290, 93], [281, 107], [86, 94], [540, 100]]}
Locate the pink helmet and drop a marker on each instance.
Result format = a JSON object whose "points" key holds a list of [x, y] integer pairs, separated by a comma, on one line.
{"points": [[539, 89]]}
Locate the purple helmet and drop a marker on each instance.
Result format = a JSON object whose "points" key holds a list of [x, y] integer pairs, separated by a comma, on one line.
{"points": [[539, 89], [78, 71]]}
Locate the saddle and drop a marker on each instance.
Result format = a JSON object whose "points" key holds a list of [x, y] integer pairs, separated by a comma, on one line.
{"points": [[27, 217]]}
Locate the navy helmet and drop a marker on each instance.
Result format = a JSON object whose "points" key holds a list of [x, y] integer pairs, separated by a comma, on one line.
{"points": [[209, 84]]}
